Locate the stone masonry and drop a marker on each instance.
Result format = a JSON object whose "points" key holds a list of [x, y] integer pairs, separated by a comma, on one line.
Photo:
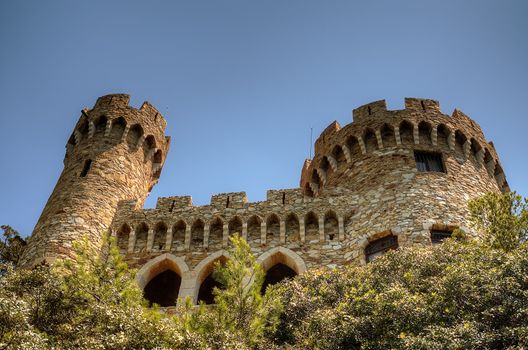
{"points": [[362, 184]]}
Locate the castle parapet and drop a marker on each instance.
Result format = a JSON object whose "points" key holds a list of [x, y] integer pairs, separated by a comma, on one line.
{"points": [[287, 196], [229, 200], [174, 203], [376, 108]]}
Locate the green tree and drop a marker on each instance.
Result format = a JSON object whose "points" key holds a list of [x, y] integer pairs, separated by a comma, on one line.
{"points": [[11, 246], [241, 316], [501, 219]]}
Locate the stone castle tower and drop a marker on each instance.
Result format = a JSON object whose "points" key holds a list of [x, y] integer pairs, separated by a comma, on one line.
{"points": [[115, 153], [389, 179]]}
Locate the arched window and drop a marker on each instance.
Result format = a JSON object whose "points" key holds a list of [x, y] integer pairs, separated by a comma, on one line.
{"points": [[354, 148], [117, 129], [254, 228], [308, 190], [311, 224], [339, 156], [460, 140], [208, 282], [160, 236], [141, 237], [156, 164], [216, 232], [272, 229], [424, 133], [442, 137], [406, 133], [134, 134], [148, 147], [331, 226], [276, 274], [197, 234], [325, 166], [122, 238], [387, 136], [178, 235], [100, 125], [235, 226], [475, 149], [380, 247], [292, 228], [371, 144], [163, 289]]}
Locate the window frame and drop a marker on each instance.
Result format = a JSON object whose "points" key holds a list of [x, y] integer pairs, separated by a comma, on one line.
{"points": [[427, 158], [377, 246]]}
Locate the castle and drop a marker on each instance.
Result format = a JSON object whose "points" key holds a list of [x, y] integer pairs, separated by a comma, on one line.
{"points": [[391, 178]]}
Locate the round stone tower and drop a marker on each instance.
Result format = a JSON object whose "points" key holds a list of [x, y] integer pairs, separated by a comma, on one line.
{"points": [[116, 152]]}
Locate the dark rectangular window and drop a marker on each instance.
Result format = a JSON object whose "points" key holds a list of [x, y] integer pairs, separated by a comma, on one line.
{"points": [[429, 161], [380, 246], [438, 236]]}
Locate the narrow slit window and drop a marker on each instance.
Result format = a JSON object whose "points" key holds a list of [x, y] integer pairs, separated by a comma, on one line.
{"points": [[429, 161], [86, 168]]}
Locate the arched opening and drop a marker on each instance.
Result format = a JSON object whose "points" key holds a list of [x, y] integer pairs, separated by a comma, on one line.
{"points": [[197, 234], [315, 177], [216, 232], [460, 140], [499, 176], [331, 226], [148, 147], [272, 229], [489, 162], [156, 164], [325, 166], [83, 129], [235, 226], [442, 137], [117, 129], [100, 125], [475, 149], [371, 144], [134, 134], [424, 133], [308, 190], [339, 156], [163, 289], [276, 274], [141, 237], [254, 224], [387, 136], [160, 237], [178, 235], [406, 133], [354, 148], [380, 246], [311, 224], [123, 236], [208, 282], [292, 228]]}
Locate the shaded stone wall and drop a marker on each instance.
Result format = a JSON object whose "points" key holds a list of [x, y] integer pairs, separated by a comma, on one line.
{"points": [[116, 152]]}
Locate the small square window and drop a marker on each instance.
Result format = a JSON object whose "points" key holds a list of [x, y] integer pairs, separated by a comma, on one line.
{"points": [[429, 161], [437, 236], [380, 246]]}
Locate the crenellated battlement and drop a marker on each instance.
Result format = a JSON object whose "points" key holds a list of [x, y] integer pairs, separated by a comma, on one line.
{"points": [[376, 131]]}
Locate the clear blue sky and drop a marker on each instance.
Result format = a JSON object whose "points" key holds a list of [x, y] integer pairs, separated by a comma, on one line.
{"points": [[241, 82]]}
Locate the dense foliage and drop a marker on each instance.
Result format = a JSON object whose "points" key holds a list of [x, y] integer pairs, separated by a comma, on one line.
{"points": [[462, 294]]}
